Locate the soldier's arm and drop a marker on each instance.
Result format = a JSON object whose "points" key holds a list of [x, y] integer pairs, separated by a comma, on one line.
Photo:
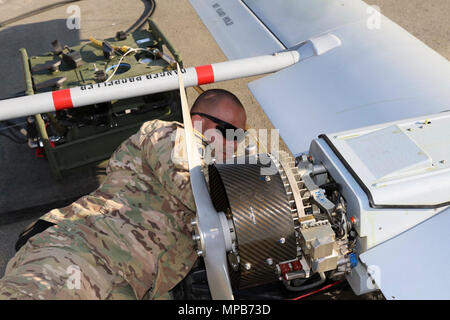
{"points": [[163, 154]]}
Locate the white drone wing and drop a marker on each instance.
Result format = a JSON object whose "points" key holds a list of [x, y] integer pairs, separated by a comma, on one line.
{"points": [[239, 33], [381, 73]]}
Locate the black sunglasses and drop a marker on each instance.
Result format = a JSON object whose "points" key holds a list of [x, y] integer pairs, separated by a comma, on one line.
{"points": [[222, 126]]}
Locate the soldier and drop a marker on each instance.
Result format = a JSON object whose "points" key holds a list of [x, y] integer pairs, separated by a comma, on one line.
{"points": [[131, 238]]}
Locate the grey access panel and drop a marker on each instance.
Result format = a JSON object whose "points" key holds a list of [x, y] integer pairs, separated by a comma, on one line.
{"points": [[405, 163]]}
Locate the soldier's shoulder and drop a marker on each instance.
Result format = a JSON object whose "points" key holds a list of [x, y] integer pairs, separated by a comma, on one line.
{"points": [[156, 130], [160, 125]]}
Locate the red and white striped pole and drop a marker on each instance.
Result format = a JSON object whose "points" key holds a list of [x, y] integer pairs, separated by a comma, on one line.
{"points": [[143, 85], [164, 81]]}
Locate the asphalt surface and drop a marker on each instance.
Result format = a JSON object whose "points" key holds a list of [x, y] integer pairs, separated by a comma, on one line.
{"points": [[31, 183]]}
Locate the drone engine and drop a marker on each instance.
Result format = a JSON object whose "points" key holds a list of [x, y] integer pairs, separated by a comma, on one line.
{"points": [[286, 220]]}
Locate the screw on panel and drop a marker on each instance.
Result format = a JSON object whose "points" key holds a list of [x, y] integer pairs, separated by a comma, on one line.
{"points": [[282, 240], [200, 253], [269, 261], [247, 266]]}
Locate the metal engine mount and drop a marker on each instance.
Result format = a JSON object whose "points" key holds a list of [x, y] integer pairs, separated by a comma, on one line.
{"points": [[276, 229]]}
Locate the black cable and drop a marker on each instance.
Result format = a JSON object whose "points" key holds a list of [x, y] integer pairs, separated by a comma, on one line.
{"points": [[137, 25], [144, 17], [304, 287]]}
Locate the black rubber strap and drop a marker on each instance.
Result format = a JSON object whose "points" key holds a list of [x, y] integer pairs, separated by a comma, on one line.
{"points": [[32, 230]]}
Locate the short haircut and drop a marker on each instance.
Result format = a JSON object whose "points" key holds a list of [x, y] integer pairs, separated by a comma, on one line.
{"points": [[213, 96]]}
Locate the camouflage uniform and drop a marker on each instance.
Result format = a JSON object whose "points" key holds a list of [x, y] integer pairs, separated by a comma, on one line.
{"points": [[129, 239]]}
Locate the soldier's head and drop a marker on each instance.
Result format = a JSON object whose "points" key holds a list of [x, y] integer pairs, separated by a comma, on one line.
{"points": [[222, 119]]}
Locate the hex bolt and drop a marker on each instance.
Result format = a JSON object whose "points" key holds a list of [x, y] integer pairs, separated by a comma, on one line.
{"points": [[282, 240], [247, 266], [269, 261], [267, 178], [193, 222], [199, 253], [196, 237]]}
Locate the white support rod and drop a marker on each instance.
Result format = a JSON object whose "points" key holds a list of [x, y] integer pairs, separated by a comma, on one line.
{"points": [[214, 250], [144, 85]]}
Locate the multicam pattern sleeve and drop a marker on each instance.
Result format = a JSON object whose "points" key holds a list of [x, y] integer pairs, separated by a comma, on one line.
{"points": [[129, 239], [171, 168]]}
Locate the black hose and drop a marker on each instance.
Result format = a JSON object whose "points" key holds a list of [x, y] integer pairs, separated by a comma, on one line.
{"points": [[144, 17], [137, 25], [305, 287]]}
